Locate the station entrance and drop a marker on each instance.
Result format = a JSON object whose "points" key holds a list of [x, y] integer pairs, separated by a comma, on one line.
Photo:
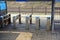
{"points": [[42, 9]]}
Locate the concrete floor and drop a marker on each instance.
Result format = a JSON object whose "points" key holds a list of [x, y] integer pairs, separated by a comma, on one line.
{"points": [[20, 33]]}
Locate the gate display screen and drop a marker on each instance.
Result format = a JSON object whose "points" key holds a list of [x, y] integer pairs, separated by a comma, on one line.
{"points": [[3, 8], [2, 5]]}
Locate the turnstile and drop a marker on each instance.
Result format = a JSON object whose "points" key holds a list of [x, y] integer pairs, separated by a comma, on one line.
{"points": [[5, 20]]}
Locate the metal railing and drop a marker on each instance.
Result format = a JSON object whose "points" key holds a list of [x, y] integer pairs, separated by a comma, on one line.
{"points": [[44, 10]]}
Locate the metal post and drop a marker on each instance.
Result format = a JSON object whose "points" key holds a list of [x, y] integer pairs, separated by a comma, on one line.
{"points": [[27, 22], [31, 19], [32, 9], [3, 21], [37, 23], [9, 19], [52, 16], [45, 10], [19, 19], [6, 6], [48, 23], [0, 10]]}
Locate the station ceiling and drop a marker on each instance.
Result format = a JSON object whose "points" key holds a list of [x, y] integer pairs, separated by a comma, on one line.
{"points": [[28, 0]]}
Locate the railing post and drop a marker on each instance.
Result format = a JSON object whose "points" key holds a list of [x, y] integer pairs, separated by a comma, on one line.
{"points": [[27, 22], [37, 23], [48, 23], [19, 19], [45, 10]]}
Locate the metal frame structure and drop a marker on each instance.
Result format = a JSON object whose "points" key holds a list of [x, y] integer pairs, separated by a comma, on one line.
{"points": [[6, 5], [52, 12], [52, 16], [6, 18]]}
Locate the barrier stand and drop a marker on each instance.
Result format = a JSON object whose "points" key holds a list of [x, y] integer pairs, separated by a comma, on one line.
{"points": [[30, 19], [37, 23], [27, 23], [48, 23], [19, 19]]}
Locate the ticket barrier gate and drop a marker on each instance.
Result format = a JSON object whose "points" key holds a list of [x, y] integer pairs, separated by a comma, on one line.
{"points": [[27, 23], [37, 22], [19, 17], [5, 20], [48, 24], [15, 18]]}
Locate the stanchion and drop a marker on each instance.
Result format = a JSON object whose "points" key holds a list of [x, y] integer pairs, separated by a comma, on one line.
{"points": [[27, 23], [37, 23], [48, 23]]}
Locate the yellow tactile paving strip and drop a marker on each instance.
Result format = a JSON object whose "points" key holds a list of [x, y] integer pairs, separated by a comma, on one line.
{"points": [[24, 36]]}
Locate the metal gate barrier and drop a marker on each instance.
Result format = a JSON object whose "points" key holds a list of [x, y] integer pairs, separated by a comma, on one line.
{"points": [[29, 21], [37, 23], [5, 20], [48, 23], [15, 18]]}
